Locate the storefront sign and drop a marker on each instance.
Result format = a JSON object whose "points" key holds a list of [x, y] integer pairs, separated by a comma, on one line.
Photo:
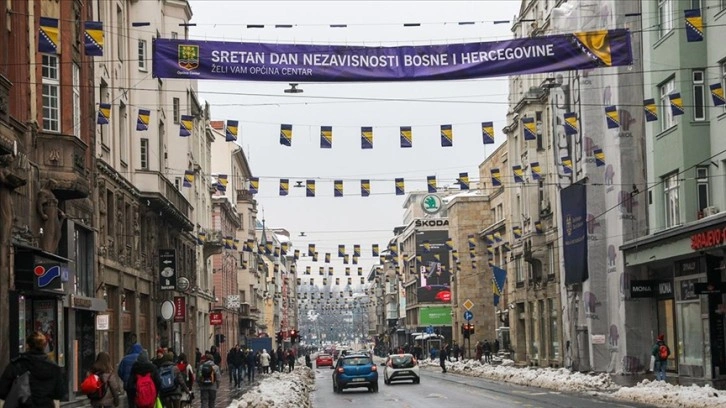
{"points": [[598, 339], [707, 288], [103, 322], [215, 318], [48, 276], [189, 59], [167, 269], [651, 288], [708, 239], [434, 316], [80, 302], [180, 309]]}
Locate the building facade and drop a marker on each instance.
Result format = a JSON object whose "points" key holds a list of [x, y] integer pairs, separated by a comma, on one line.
{"points": [[535, 151], [673, 283], [48, 279]]}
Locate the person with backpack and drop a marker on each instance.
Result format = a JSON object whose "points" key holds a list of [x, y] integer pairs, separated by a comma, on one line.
{"points": [[173, 383], [44, 380], [661, 352], [105, 385], [143, 384], [208, 379], [124, 369]]}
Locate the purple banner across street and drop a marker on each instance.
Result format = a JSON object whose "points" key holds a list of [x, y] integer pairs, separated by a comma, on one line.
{"points": [[189, 59]]}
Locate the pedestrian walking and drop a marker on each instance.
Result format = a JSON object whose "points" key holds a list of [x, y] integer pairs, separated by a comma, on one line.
{"points": [[45, 377], [442, 358], [208, 378], [495, 347], [144, 381], [487, 348], [103, 368], [265, 361], [661, 352], [479, 351], [280, 355], [124, 371], [308, 363], [251, 366], [290, 360], [173, 383]]}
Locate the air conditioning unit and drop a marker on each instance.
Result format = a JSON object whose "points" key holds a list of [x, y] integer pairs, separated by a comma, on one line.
{"points": [[708, 211]]}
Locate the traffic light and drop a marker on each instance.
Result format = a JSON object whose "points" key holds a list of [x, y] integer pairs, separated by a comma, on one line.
{"points": [[293, 336], [467, 330]]}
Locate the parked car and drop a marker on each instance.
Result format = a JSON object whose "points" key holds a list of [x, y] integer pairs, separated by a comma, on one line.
{"points": [[401, 367], [324, 360], [355, 371]]}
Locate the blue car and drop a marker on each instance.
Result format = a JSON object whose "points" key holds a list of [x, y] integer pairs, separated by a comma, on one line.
{"points": [[355, 371]]}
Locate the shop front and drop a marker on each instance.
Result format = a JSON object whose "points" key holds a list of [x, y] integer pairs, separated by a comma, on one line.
{"points": [[674, 285]]}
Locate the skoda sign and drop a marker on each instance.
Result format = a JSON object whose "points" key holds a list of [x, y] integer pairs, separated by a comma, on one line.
{"points": [[431, 203]]}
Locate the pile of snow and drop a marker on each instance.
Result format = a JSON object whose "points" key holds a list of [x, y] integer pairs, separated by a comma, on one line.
{"points": [[550, 378], [658, 393], [663, 394], [280, 390]]}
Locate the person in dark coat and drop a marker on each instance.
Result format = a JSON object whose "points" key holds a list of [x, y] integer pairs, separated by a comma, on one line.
{"points": [[251, 366], [172, 399], [46, 377], [124, 368], [280, 355], [290, 360], [487, 348], [442, 357], [197, 357], [142, 366]]}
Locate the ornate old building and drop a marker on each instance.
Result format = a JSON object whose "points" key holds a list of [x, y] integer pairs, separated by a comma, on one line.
{"points": [[48, 282]]}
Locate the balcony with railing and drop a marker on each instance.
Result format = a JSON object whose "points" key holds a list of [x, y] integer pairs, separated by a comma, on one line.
{"points": [[165, 197]]}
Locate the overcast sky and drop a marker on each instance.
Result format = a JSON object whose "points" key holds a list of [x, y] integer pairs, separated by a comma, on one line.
{"points": [[261, 107]]}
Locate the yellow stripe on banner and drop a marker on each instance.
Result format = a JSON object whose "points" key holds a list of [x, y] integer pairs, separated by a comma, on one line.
{"points": [[598, 43]]}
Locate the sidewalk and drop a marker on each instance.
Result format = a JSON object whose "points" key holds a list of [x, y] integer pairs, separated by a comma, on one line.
{"points": [[629, 380]]}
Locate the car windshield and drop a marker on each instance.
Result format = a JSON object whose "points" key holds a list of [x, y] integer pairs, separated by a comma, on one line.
{"points": [[405, 361], [356, 361]]}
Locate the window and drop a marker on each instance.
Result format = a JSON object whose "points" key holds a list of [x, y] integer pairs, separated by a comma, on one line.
{"points": [[103, 98], [519, 271], [120, 33], [76, 101], [538, 123], [551, 260], [84, 249], [672, 208], [174, 35], [699, 96], [51, 94], [665, 89], [695, 4], [175, 109], [144, 154], [702, 187], [142, 55], [665, 16], [554, 329], [122, 136], [178, 183]]}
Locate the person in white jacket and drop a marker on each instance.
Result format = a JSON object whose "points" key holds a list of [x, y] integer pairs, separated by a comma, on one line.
{"points": [[265, 361]]}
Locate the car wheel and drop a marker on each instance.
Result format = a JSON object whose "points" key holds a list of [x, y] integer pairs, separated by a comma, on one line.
{"points": [[375, 387], [416, 380], [386, 381], [335, 389]]}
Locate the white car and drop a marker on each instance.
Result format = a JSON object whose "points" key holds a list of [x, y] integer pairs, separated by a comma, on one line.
{"points": [[401, 367]]}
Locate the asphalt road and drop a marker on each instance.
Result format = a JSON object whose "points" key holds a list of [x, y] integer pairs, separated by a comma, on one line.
{"points": [[438, 390]]}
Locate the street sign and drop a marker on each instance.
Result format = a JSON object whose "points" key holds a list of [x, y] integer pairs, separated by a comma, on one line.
{"points": [[468, 304], [468, 315]]}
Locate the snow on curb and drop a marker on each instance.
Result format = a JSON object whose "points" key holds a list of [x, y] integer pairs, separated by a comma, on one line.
{"points": [[550, 378], [663, 394], [657, 393], [280, 390]]}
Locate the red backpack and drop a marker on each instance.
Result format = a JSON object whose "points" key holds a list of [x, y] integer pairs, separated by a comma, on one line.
{"points": [[94, 386], [663, 352], [145, 391]]}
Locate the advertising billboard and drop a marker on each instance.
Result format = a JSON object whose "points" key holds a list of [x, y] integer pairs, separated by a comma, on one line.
{"points": [[432, 263], [434, 316]]}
